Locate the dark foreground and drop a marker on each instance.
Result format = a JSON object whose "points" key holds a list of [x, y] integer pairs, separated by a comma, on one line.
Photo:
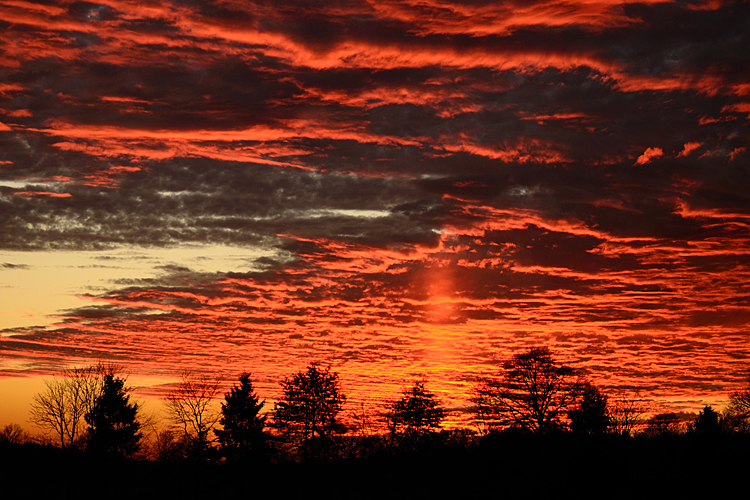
{"points": [[502, 467]]}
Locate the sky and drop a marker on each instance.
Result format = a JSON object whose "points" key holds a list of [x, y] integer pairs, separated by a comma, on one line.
{"points": [[397, 189]]}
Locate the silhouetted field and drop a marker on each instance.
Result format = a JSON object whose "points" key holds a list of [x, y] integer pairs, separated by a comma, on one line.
{"points": [[502, 466], [556, 437]]}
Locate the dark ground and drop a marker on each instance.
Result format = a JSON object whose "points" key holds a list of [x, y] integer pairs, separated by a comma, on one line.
{"points": [[502, 467]]}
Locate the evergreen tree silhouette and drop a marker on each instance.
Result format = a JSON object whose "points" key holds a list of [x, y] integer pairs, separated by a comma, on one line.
{"points": [[113, 425], [591, 415], [707, 423], [417, 412], [242, 436]]}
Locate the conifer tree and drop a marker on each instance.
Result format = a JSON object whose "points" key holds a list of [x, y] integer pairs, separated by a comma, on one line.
{"points": [[591, 415], [417, 412], [242, 436], [707, 423], [113, 425]]}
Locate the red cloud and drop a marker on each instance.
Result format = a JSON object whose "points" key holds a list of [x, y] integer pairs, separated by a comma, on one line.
{"points": [[689, 148], [44, 193], [649, 155]]}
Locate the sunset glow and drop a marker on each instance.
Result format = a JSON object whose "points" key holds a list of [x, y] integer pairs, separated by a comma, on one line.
{"points": [[396, 189]]}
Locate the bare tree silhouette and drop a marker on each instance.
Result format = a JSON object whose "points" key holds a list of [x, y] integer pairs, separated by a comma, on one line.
{"points": [[189, 406], [62, 405], [533, 392], [738, 410], [13, 433], [627, 414]]}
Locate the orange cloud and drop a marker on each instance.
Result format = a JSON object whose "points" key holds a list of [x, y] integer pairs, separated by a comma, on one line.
{"points": [[689, 148], [735, 153], [649, 155], [741, 107], [44, 193]]}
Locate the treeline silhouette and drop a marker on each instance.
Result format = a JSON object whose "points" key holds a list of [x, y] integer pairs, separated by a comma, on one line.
{"points": [[537, 420]]}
